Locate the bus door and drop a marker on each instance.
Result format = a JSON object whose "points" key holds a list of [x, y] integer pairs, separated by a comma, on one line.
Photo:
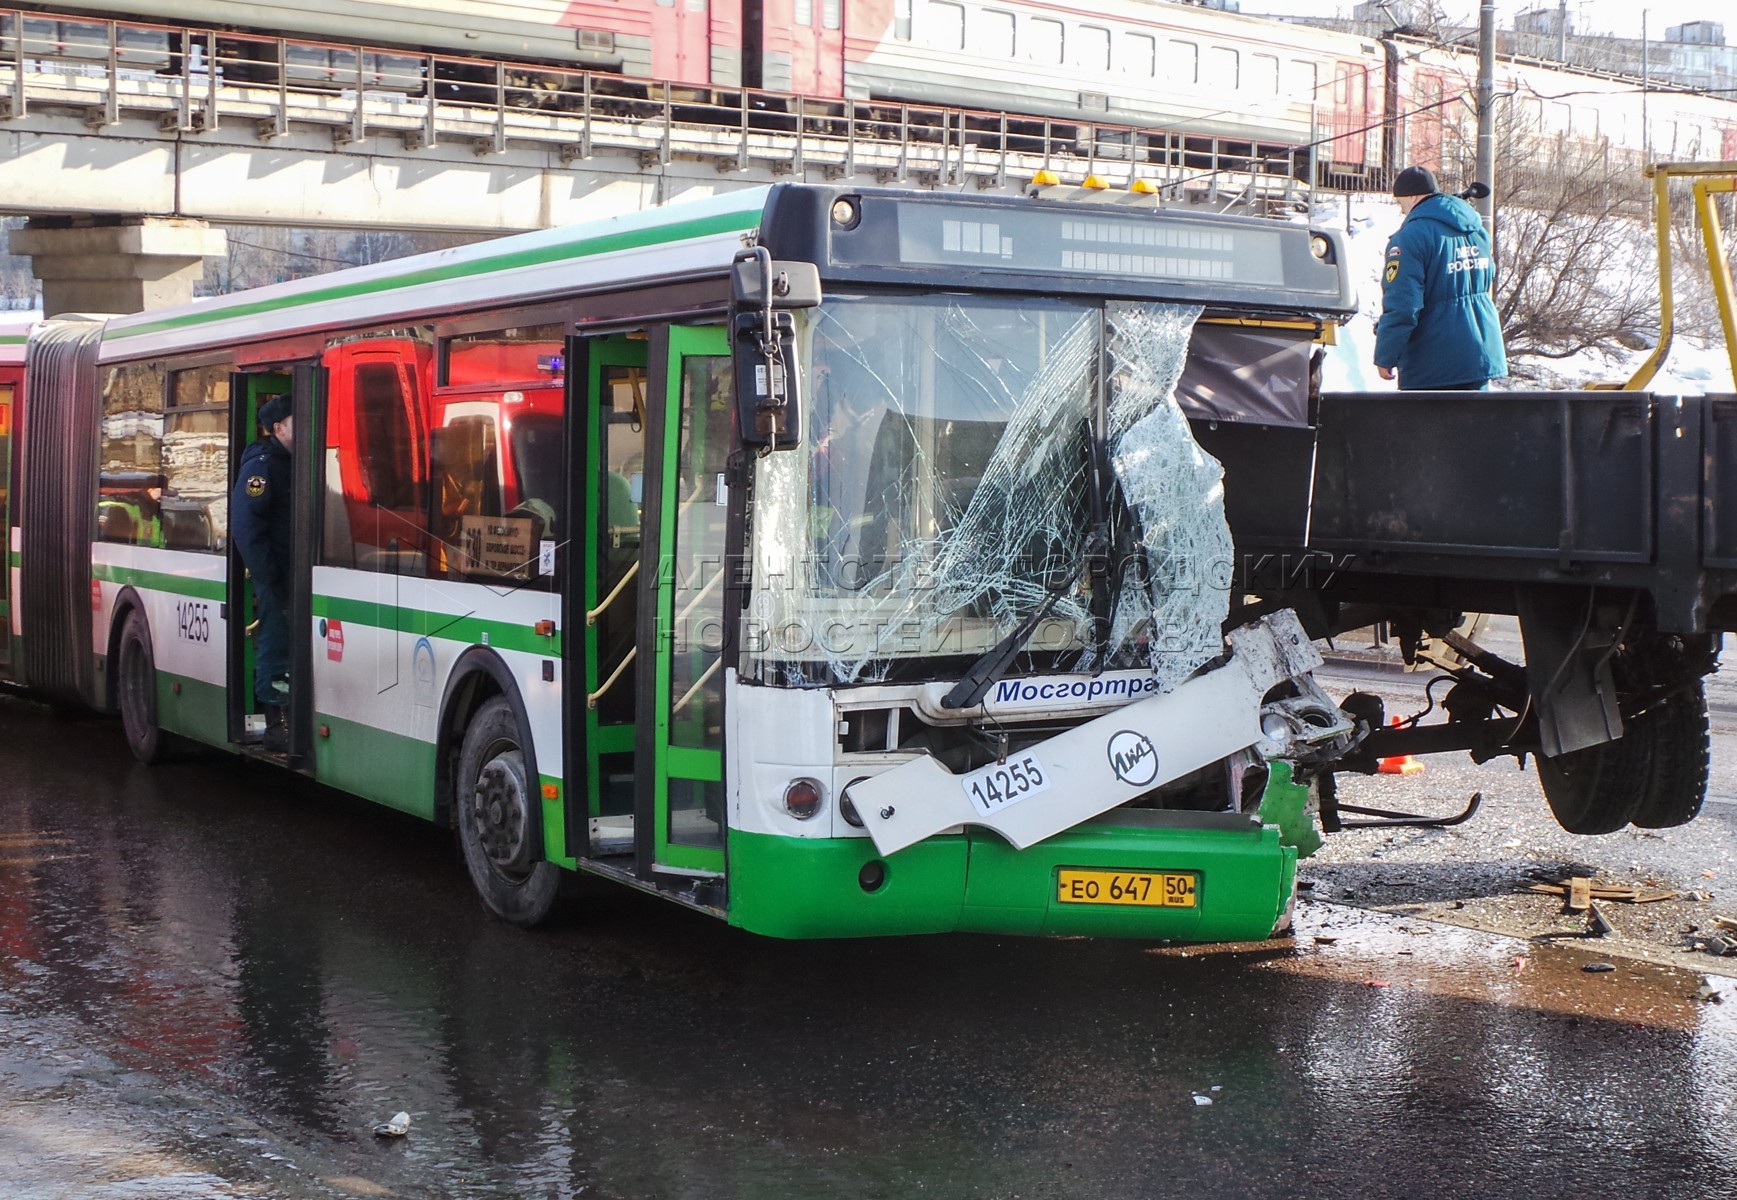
{"points": [[11, 393], [245, 721], [608, 508], [680, 800]]}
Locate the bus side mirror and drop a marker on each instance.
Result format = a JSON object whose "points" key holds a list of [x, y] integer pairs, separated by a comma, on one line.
{"points": [[763, 341]]}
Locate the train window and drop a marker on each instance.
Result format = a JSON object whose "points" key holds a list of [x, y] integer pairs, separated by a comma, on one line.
{"points": [[1302, 80], [193, 502], [1223, 67], [804, 12], [130, 479], [994, 33], [944, 25], [1092, 48], [1139, 55], [1184, 62], [1043, 41], [831, 14], [902, 20], [1263, 74]]}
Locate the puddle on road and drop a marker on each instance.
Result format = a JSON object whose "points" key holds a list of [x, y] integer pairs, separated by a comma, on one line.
{"points": [[246, 974]]}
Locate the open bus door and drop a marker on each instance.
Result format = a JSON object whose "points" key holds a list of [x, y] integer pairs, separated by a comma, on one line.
{"points": [[246, 722], [681, 695], [653, 448], [608, 508]]}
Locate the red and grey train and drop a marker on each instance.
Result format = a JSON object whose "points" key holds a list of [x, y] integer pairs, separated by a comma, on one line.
{"points": [[1263, 87]]}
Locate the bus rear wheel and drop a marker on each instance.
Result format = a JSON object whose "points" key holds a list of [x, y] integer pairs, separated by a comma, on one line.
{"points": [[496, 808], [136, 691]]}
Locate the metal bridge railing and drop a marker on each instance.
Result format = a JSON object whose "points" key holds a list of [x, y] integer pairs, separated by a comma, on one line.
{"points": [[198, 82]]}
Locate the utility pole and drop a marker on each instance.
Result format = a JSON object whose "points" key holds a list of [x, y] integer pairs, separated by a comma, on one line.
{"points": [[1486, 168], [1562, 31], [1646, 126]]}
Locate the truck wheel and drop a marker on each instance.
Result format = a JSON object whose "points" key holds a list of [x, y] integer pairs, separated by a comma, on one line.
{"points": [[1655, 774], [1596, 790], [1678, 734], [497, 809], [136, 689]]}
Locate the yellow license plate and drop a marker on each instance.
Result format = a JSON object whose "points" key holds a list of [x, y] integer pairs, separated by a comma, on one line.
{"points": [[1146, 889]]}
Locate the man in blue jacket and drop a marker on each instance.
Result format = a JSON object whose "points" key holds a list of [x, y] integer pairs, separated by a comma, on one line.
{"points": [[260, 520], [1438, 329]]}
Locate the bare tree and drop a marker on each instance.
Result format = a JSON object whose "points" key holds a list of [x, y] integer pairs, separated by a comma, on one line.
{"points": [[1576, 267]]}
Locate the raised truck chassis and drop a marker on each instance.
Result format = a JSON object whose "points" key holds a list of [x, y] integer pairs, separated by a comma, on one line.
{"points": [[1605, 521], [1601, 520]]}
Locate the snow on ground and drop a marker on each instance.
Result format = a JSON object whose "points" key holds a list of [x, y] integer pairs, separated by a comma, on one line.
{"points": [[1690, 369]]}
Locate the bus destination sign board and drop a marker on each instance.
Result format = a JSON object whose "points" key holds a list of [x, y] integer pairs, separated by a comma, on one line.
{"points": [[1131, 244]]}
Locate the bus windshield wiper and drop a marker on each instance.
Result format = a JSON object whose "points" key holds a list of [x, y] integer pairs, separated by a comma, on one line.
{"points": [[975, 683]]}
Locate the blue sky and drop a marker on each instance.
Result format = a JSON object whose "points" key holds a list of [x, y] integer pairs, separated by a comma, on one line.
{"points": [[1621, 17]]}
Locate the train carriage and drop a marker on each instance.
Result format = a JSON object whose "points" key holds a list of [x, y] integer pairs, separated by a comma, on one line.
{"points": [[1141, 80]]}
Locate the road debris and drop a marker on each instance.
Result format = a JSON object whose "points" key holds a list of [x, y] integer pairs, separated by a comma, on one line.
{"points": [[1718, 945], [1707, 993], [1597, 924], [1581, 891], [1598, 968], [397, 1127]]}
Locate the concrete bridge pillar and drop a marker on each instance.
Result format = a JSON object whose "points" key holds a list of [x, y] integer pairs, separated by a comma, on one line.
{"points": [[117, 264]]}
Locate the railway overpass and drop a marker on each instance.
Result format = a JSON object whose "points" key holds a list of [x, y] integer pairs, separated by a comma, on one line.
{"points": [[122, 166]]}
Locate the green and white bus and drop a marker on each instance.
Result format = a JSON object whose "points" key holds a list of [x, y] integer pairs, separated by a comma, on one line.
{"points": [[834, 561]]}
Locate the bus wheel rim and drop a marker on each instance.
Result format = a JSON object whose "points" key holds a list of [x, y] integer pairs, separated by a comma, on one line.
{"points": [[500, 814]]}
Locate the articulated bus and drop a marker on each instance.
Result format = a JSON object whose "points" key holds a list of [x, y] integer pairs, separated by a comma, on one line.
{"points": [[836, 562]]}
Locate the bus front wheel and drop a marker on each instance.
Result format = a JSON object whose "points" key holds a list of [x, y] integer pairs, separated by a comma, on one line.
{"points": [[136, 690], [496, 807]]}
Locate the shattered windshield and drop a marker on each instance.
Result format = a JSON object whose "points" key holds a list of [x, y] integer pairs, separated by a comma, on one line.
{"points": [[959, 454]]}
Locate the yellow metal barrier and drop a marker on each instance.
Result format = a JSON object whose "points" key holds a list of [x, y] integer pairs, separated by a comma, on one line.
{"points": [[1711, 179]]}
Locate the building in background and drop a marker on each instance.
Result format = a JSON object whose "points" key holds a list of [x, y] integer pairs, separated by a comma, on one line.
{"points": [[1691, 55]]}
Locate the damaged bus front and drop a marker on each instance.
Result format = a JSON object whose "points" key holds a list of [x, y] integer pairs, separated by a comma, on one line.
{"points": [[982, 678]]}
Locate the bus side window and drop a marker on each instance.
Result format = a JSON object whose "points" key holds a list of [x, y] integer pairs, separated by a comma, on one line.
{"points": [[193, 504], [375, 512], [467, 496], [385, 445], [130, 479], [497, 483]]}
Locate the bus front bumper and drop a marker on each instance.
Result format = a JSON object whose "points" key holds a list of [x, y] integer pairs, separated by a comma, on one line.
{"points": [[1131, 873]]}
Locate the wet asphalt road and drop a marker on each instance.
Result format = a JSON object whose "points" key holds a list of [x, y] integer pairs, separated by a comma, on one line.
{"points": [[214, 981]]}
